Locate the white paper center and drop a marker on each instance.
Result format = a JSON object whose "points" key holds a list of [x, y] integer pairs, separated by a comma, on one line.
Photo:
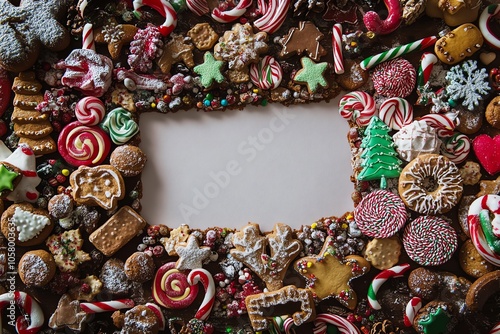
{"points": [[264, 165]]}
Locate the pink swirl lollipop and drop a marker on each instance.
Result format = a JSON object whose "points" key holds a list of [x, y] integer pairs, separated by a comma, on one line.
{"points": [[84, 145], [171, 288], [343, 325], [396, 112], [267, 74], [273, 15], [90, 111], [457, 147], [232, 14], [358, 107]]}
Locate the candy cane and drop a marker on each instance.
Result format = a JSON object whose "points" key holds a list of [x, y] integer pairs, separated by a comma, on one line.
{"points": [[338, 59], [273, 15], [496, 329], [396, 112], [267, 74], [29, 306], [203, 276], [232, 14], [444, 123], [109, 306], [198, 7], [396, 271], [159, 315], [487, 15], [343, 325], [358, 107], [288, 326], [427, 62], [397, 51], [375, 24], [88, 37], [412, 308], [165, 9], [492, 204], [457, 147]]}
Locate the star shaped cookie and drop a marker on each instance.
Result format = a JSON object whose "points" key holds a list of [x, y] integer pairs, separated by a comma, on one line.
{"points": [[210, 70], [191, 255], [116, 36], [311, 74], [178, 49], [328, 275]]}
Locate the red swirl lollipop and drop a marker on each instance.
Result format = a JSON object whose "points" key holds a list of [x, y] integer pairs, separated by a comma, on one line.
{"points": [[171, 287], [84, 145]]}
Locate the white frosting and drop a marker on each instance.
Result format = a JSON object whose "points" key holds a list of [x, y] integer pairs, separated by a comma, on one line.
{"points": [[28, 224], [416, 138]]}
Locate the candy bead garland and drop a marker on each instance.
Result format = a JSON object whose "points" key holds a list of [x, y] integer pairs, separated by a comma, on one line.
{"points": [[205, 278], [380, 214], [429, 240], [411, 310], [343, 325], [397, 51], [357, 107], [30, 308], [488, 14], [109, 306], [90, 111], [171, 288], [165, 9], [85, 145], [457, 147], [338, 58], [267, 74], [380, 279], [396, 112], [231, 15]]}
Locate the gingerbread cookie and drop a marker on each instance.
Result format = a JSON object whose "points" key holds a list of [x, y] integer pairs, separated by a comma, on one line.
{"points": [[458, 44], [36, 268]]}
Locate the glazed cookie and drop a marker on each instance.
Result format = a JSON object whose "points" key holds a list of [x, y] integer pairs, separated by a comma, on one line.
{"points": [[454, 12], [458, 44], [140, 320], [115, 282], [30, 225], [430, 184], [36, 268], [493, 112]]}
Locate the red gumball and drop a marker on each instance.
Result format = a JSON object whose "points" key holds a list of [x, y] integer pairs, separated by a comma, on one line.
{"points": [[495, 78]]}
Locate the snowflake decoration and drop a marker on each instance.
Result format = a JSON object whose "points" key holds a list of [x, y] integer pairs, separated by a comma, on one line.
{"points": [[467, 82]]}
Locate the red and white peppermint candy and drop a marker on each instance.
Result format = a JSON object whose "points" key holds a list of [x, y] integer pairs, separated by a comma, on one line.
{"points": [[343, 325], [231, 14], [198, 7], [457, 147], [109, 306], [338, 58], [396, 112], [358, 107], [380, 279], [492, 204], [444, 123], [165, 9], [204, 277], [30, 308], [90, 111], [412, 308], [267, 74], [273, 15]]}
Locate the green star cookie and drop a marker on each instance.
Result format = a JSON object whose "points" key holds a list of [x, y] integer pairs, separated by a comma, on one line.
{"points": [[7, 178], [311, 74], [436, 322], [210, 70]]}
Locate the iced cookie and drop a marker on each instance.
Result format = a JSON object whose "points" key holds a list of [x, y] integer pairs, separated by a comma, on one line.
{"points": [[30, 225], [36, 268]]}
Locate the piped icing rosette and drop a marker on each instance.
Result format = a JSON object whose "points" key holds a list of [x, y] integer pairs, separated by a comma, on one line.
{"points": [[87, 71], [120, 126]]}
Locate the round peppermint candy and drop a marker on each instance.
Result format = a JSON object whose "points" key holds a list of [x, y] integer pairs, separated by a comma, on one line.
{"points": [[267, 74]]}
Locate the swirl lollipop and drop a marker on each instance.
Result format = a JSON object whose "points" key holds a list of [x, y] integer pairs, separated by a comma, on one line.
{"points": [[90, 111], [85, 145], [171, 288], [358, 107], [396, 112]]}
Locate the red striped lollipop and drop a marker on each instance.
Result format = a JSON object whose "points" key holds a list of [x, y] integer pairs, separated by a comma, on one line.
{"points": [[396, 112], [357, 107], [90, 110]]}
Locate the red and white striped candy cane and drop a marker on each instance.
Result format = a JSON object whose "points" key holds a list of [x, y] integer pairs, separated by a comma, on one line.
{"points": [[396, 112], [343, 325], [288, 326], [159, 315], [203, 276], [444, 123], [88, 37], [338, 58], [427, 62], [108, 306], [198, 7], [412, 308], [358, 107], [165, 9], [380, 279], [273, 15], [496, 329], [231, 14], [29, 306], [267, 74]]}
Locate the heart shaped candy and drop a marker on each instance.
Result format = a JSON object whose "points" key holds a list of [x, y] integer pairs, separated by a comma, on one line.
{"points": [[487, 151]]}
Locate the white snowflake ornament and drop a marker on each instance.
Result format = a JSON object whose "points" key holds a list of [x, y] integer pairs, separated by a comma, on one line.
{"points": [[467, 82]]}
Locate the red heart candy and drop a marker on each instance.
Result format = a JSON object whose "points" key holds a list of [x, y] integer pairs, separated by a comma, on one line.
{"points": [[487, 151]]}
